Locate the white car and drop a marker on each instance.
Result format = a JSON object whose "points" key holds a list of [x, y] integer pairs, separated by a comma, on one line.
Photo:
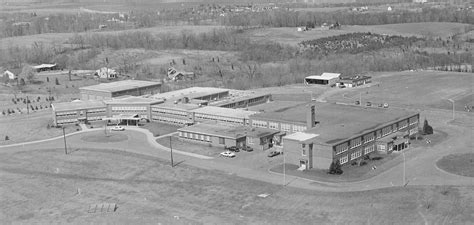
{"points": [[118, 128], [228, 154]]}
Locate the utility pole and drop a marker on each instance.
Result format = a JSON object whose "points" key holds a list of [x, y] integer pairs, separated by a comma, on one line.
{"points": [[452, 101], [284, 168], [27, 106], [404, 168], [171, 152], [65, 146]]}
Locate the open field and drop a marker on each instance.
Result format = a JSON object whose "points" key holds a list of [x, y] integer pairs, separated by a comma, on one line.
{"points": [[413, 90], [29, 127], [159, 129], [46, 186], [460, 164], [289, 35]]}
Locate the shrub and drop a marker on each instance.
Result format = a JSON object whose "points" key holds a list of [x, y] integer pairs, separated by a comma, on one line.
{"points": [[56, 81], [377, 158], [362, 163], [366, 157], [353, 163], [7, 138], [427, 129], [335, 168], [77, 129]]}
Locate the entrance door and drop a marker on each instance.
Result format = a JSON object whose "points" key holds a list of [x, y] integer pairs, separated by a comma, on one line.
{"points": [[303, 164]]}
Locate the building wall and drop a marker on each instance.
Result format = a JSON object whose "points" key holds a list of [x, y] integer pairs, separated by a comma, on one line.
{"points": [[247, 102], [73, 116], [211, 140], [143, 110], [95, 95], [356, 147], [100, 95], [200, 117], [171, 116]]}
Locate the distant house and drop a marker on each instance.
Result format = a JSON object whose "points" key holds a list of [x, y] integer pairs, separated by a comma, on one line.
{"points": [[9, 74], [390, 8], [420, 1], [323, 79], [354, 81], [45, 67], [300, 29], [106, 73]]}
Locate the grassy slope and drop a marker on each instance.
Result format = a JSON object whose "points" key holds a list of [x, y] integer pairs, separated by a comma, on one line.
{"points": [[42, 187]]}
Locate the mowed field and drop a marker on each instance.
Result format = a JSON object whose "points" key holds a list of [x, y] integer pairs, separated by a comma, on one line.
{"points": [[417, 89], [289, 35], [46, 186]]}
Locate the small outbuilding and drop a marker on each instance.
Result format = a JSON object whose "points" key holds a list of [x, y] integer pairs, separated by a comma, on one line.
{"points": [[45, 67], [323, 79], [9, 74], [354, 81]]}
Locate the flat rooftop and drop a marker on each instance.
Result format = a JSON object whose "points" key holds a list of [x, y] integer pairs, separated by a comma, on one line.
{"points": [[224, 130], [193, 92], [324, 76], [237, 96], [214, 110], [341, 122], [122, 85], [134, 100], [77, 105], [289, 111]]}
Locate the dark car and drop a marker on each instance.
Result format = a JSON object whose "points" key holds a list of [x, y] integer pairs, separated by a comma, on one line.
{"points": [[233, 148], [273, 153], [368, 104], [357, 102], [247, 149]]}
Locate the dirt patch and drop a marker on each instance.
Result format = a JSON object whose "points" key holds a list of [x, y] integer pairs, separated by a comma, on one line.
{"points": [[460, 164]]}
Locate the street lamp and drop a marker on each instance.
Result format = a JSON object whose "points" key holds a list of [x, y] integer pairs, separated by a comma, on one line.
{"points": [[404, 168], [284, 167], [452, 101]]}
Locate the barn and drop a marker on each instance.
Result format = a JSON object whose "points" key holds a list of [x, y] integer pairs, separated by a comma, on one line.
{"points": [[323, 79]]}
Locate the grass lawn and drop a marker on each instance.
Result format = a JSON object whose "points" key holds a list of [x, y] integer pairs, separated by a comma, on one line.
{"points": [[158, 129], [460, 164], [101, 137], [47, 186], [190, 146], [350, 173], [30, 127]]}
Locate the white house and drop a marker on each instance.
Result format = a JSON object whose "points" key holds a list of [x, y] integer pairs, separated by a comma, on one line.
{"points": [[106, 73], [9, 74]]}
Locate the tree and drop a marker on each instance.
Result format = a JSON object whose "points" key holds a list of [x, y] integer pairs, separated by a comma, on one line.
{"points": [[427, 129], [56, 81], [335, 168], [29, 73], [47, 79], [7, 138], [22, 82]]}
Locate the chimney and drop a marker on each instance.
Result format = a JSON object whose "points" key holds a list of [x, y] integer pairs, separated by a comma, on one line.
{"points": [[310, 115]]}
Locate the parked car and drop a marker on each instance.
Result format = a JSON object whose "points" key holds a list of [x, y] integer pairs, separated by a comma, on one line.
{"points": [[368, 104], [385, 105], [247, 148], [381, 105], [232, 149], [118, 128], [273, 153], [228, 154], [342, 86], [357, 102]]}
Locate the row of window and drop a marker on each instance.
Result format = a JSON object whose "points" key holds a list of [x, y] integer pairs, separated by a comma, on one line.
{"points": [[66, 113], [129, 108], [356, 154], [170, 112], [67, 121], [219, 118], [379, 133], [169, 120], [368, 149], [194, 136], [96, 110]]}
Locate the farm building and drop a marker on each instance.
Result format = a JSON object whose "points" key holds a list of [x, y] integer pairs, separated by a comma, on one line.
{"points": [[45, 67], [323, 79], [346, 133], [354, 81], [106, 73], [119, 88], [78, 111], [221, 135]]}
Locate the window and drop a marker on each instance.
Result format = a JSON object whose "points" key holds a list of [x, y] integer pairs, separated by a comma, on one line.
{"points": [[273, 125], [403, 124], [221, 141], [285, 127], [394, 127], [250, 140], [297, 128], [180, 133], [341, 148], [386, 131], [414, 131], [356, 142], [343, 159], [356, 154], [368, 149], [413, 120], [185, 134], [368, 138], [303, 152]]}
